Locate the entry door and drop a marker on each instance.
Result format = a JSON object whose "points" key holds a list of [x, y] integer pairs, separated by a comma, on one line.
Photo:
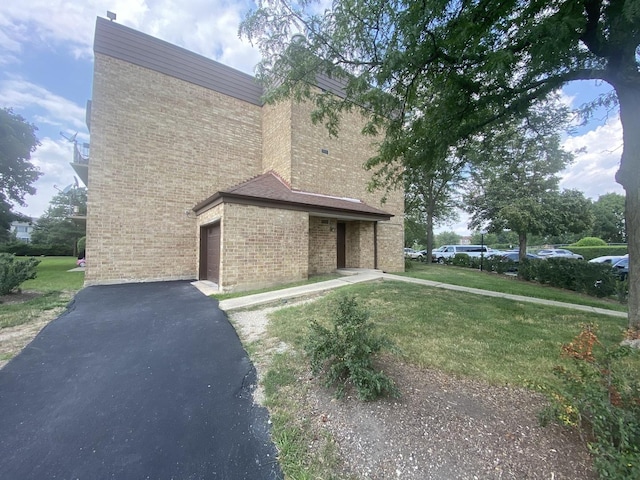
{"points": [[341, 244], [210, 253]]}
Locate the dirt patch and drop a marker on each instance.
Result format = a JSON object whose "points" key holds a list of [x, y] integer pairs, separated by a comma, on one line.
{"points": [[442, 428], [14, 339], [449, 428], [18, 297]]}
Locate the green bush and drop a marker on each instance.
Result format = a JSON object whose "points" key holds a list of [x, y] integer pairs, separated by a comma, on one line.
{"points": [[590, 242], [344, 353], [23, 249], [14, 271], [460, 260], [594, 279], [600, 394], [82, 244]]}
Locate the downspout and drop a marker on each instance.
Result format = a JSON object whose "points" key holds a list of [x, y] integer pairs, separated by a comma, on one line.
{"points": [[375, 245]]}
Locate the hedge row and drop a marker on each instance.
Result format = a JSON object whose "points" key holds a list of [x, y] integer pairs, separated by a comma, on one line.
{"points": [[595, 279], [22, 249]]}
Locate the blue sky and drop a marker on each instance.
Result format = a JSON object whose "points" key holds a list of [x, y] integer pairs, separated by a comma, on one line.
{"points": [[46, 65]]}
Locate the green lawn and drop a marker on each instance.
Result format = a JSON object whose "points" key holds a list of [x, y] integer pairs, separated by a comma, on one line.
{"points": [[55, 284], [469, 277], [497, 340]]}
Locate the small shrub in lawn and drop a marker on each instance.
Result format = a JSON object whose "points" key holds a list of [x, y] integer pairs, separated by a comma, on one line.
{"points": [[14, 271], [408, 265], [344, 353], [461, 260], [600, 394]]}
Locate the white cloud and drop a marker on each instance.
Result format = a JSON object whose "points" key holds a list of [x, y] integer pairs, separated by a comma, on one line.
{"points": [[593, 171], [49, 108], [207, 27], [52, 158]]}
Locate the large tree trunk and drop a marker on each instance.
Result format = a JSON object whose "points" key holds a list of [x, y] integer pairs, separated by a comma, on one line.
{"points": [[629, 177], [429, 234], [522, 244]]}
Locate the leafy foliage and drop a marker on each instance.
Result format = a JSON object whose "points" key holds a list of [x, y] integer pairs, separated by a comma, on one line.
{"points": [[600, 394], [514, 181], [590, 242], [344, 353], [14, 271], [609, 222], [55, 227], [17, 174]]}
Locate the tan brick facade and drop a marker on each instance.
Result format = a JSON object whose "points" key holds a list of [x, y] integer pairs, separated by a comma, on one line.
{"points": [[160, 145]]}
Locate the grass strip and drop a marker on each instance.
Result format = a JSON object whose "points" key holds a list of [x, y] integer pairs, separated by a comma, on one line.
{"points": [[468, 277]]}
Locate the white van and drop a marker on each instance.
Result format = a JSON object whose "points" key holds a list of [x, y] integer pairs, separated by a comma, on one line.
{"points": [[447, 251]]}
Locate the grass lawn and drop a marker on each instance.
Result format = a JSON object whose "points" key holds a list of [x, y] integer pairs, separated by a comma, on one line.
{"points": [[469, 277], [54, 284], [497, 340]]}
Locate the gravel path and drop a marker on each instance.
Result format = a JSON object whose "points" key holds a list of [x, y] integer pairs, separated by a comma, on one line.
{"points": [[442, 428]]}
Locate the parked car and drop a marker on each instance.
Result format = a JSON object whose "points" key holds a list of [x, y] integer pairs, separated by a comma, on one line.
{"points": [[515, 256], [612, 259], [621, 267], [410, 253], [447, 251], [559, 252]]}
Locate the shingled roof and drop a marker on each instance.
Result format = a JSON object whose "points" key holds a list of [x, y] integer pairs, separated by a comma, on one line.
{"points": [[270, 190]]}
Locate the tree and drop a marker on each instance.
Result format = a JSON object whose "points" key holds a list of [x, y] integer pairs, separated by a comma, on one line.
{"points": [[608, 223], [430, 186], [462, 65], [17, 174], [56, 227], [447, 238], [514, 182]]}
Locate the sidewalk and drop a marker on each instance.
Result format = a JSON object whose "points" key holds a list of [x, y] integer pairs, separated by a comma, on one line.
{"points": [[353, 276]]}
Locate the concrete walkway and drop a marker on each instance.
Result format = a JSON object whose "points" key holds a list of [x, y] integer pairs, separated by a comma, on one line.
{"points": [[353, 276]]}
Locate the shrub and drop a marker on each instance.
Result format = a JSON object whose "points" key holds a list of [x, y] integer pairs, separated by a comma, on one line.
{"points": [[590, 242], [460, 260], [81, 245], [34, 250], [344, 353], [600, 394], [14, 271]]}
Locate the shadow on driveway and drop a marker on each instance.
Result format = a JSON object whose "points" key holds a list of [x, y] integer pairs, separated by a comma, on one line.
{"points": [[134, 381]]}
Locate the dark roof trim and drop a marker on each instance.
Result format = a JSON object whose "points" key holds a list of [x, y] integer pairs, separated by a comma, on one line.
{"points": [[124, 43], [269, 190], [269, 203]]}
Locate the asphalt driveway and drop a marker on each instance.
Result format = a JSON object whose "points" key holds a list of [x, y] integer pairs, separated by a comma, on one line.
{"points": [[136, 381]]}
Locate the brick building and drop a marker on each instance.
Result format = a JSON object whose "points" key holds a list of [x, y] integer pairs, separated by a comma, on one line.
{"points": [[192, 176]]}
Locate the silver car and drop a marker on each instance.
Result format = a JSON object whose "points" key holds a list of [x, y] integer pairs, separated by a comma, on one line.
{"points": [[559, 252]]}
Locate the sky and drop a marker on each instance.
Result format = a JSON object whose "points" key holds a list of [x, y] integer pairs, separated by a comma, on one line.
{"points": [[46, 71]]}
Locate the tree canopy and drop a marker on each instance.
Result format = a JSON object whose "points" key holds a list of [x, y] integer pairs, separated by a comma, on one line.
{"points": [[56, 226], [441, 71], [17, 142]]}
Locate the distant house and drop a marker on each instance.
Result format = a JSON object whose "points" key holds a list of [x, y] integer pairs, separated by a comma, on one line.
{"points": [[22, 230], [191, 176]]}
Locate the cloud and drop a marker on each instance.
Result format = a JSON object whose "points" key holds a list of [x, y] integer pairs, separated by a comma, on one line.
{"points": [[207, 27], [52, 158], [594, 169], [48, 108]]}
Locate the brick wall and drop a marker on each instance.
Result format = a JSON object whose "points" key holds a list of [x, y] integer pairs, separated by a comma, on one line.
{"points": [[340, 172], [264, 246], [276, 134], [322, 245], [159, 145]]}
